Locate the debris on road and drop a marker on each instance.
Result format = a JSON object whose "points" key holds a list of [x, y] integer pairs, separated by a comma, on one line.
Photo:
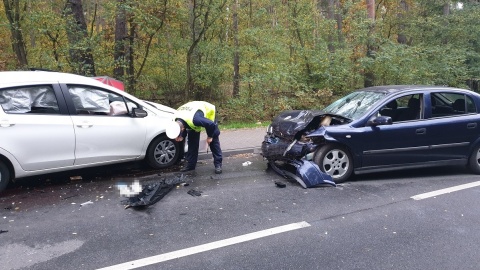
{"points": [[280, 184], [149, 194], [195, 193], [246, 163], [3, 231], [86, 203], [129, 190]]}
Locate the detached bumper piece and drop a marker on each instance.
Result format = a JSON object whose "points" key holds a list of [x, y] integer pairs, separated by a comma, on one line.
{"points": [[154, 192], [150, 195], [307, 173], [274, 148]]}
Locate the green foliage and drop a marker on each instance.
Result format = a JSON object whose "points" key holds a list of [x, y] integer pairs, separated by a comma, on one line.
{"points": [[292, 54]]}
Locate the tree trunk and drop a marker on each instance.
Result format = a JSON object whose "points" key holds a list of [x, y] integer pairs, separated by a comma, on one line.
{"points": [[339, 19], [12, 11], [403, 8], [369, 76], [81, 57], [192, 51], [329, 11], [130, 54], [200, 19], [236, 54], [120, 39]]}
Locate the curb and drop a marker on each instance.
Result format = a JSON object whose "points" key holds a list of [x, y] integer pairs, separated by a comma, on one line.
{"points": [[229, 153]]}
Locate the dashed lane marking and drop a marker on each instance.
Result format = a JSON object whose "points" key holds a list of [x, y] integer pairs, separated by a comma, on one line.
{"points": [[206, 247], [445, 191]]}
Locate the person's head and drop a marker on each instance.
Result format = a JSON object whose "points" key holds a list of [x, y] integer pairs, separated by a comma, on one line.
{"points": [[174, 129]]}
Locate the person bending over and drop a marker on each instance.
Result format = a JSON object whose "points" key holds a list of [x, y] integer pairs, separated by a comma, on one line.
{"points": [[188, 121]]}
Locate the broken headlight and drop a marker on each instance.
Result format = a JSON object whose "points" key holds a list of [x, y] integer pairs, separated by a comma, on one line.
{"points": [[269, 129]]}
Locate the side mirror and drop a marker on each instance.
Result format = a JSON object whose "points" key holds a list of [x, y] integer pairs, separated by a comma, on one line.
{"points": [[379, 120], [139, 113]]}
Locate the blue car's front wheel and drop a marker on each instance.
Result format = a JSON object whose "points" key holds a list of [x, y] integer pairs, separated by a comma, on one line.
{"points": [[474, 161], [336, 161]]}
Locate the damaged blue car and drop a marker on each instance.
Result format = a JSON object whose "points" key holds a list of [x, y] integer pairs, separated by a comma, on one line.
{"points": [[380, 128]]}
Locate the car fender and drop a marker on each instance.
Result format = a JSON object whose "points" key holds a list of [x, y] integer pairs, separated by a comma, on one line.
{"points": [[327, 138], [473, 146], [12, 163], [156, 127]]}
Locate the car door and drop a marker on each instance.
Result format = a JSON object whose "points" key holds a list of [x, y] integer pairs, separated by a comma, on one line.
{"points": [[105, 131], [36, 128], [402, 143], [452, 126]]}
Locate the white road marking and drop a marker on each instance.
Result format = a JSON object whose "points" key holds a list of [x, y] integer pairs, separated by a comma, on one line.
{"points": [[206, 247], [445, 191]]}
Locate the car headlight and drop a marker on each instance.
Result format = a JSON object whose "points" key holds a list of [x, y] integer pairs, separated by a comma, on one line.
{"points": [[269, 129]]}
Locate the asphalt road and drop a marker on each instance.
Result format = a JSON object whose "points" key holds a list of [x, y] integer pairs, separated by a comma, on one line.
{"points": [[243, 221]]}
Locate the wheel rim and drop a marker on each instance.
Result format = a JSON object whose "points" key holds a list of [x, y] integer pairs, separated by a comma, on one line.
{"points": [[164, 152], [336, 163]]}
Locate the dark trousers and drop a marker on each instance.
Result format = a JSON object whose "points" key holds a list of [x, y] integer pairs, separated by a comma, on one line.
{"points": [[193, 144]]}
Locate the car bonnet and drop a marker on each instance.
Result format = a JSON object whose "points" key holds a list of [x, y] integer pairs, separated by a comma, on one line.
{"points": [[288, 123]]}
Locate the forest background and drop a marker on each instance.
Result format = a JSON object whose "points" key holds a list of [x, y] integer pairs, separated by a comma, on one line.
{"points": [[251, 58]]}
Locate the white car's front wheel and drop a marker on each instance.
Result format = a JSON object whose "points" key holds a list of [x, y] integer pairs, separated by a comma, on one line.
{"points": [[4, 176], [163, 152]]}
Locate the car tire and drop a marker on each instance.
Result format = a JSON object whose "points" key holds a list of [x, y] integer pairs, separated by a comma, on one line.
{"points": [[336, 161], [163, 152], [474, 160], [4, 176]]}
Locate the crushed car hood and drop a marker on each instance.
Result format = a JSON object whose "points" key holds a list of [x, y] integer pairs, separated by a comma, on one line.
{"points": [[289, 123]]}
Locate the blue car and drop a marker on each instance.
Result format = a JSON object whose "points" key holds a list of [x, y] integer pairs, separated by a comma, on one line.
{"points": [[381, 128]]}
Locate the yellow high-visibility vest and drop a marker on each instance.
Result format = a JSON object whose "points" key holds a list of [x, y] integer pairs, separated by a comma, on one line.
{"points": [[188, 110]]}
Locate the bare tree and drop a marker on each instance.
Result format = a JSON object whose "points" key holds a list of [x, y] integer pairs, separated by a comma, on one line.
{"points": [[12, 10]]}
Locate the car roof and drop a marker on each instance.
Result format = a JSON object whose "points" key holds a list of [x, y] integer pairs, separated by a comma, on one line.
{"points": [[31, 77], [400, 88]]}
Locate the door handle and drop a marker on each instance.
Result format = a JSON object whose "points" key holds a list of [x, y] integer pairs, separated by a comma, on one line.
{"points": [[421, 131], [85, 125], [6, 124], [471, 125]]}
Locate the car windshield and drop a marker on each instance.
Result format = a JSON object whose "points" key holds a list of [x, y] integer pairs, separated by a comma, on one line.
{"points": [[354, 105]]}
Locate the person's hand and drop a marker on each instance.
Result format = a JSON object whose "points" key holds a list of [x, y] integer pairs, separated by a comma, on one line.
{"points": [[209, 140], [179, 139]]}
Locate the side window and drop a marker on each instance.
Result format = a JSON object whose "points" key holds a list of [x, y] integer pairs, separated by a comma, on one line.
{"points": [[93, 101], [32, 99], [471, 108], [404, 108], [449, 104]]}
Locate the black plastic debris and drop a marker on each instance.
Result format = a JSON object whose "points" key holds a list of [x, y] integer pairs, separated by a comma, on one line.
{"points": [[149, 195], [2, 231], [153, 192], [280, 184], [194, 192]]}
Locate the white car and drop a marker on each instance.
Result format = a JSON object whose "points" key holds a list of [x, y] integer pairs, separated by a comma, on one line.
{"points": [[52, 122]]}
